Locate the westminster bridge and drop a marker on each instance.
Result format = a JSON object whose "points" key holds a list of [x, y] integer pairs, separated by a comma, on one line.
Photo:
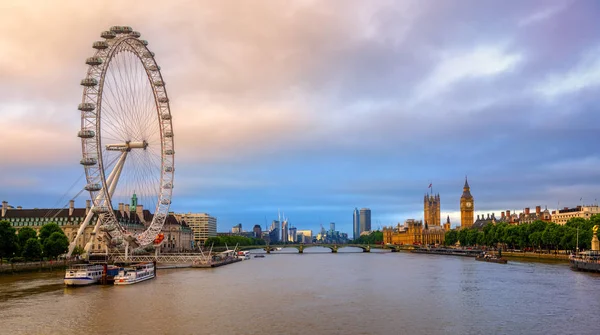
{"points": [[333, 247]]}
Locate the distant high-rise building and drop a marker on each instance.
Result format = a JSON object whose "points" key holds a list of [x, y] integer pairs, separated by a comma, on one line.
{"points": [[293, 236], [275, 235], [356, 225], [275, 225], [332, 226], [284, 231], [237, 229], [304, 236], [257, 231], [365, 220]]}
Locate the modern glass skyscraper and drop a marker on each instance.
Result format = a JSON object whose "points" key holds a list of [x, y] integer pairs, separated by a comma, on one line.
{"points": [[356, 225], [365, 220]]}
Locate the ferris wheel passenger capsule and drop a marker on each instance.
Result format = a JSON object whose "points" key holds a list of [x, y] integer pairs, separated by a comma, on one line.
{"points": [[165, 201], [148, 54], [100, 45], [159, 83], [168, 168], [168, 186], [166, 116], [93, 187], [144, 42], [136, 34], [169, 152], [117, 29], [168, 133], [127, 29], [86, 133], [163, 99], [86, 106], [87, 161], [93, 61], [153, 67], [108, 35], [89, 82]]}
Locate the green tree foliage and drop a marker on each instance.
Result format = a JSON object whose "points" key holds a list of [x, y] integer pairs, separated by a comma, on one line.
{"points": [[375, 237], [233, 240], [78, 251], [451, 237], [24, 234], [47, 230], [32, 250], [8, 240], [55, 245], [536, 235]]}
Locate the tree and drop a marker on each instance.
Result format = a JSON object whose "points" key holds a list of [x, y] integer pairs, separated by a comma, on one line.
{"points": [[451, 237], [8, 240], [78, 251], [24, 234], [47, 230], [375, 237], [32, 250], [55, 245]]}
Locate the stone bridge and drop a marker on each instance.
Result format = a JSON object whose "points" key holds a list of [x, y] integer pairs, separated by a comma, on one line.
{"points": [[333, 247]]}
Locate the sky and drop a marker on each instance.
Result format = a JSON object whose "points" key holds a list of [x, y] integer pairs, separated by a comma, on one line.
{"points": [[313, 108]]}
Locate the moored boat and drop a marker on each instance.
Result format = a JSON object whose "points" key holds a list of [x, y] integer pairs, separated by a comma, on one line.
{"points": [[83, 274], [135, 274], [491, 258], [585, 261], [259, 256], [243, 255]]}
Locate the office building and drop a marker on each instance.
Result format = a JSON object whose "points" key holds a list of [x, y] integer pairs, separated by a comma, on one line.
{"points": [[356, 224], [365, 220], [202, 224]]}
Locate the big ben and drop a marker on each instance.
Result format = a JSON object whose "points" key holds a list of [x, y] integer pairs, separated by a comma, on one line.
{"points": [[467, 208]]}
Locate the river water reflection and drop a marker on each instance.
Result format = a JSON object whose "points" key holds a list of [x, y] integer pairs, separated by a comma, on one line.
{"points": [[316, 293]]}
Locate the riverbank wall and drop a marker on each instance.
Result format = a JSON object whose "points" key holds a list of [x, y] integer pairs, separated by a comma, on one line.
{"points": [[534, 255], [9, 268]]}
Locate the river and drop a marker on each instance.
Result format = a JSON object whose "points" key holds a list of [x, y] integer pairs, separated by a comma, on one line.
{"points": [[316, 293]]}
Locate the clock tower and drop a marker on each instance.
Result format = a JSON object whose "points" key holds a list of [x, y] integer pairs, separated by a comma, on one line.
{"points": [[467, 208]]}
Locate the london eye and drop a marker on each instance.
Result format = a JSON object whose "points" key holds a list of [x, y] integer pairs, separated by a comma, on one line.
{"points": [[126, 139]]}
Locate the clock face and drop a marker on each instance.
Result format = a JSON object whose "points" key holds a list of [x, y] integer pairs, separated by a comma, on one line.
{"points": [[468, 204]]}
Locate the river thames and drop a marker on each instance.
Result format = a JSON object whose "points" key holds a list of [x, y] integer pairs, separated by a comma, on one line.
{"points": [[316, 293]]}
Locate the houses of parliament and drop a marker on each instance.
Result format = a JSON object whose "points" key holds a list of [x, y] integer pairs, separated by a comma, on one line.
{"points": [[431, 230]]}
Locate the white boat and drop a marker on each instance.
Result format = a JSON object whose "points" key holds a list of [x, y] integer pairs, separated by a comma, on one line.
{"points": [[83, 274], [243, 255], [135, 274]]}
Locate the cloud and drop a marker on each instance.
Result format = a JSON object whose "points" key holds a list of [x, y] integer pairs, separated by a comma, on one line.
{"points": [[543, 14], [480, 62], [586, 74]]}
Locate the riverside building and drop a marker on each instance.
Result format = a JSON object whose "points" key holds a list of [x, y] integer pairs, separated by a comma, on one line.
{"points": [[135, 219], [202, 225], [561, 216]]}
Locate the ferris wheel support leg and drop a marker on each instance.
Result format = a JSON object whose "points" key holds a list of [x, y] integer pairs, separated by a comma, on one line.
{"points": [[90, 214], [113, 180]]}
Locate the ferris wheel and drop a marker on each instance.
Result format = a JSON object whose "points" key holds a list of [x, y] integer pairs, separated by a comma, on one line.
{"points": [[126, 140]]}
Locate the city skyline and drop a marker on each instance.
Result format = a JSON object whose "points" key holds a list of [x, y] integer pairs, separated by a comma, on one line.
{"points": [[366, 111]]}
